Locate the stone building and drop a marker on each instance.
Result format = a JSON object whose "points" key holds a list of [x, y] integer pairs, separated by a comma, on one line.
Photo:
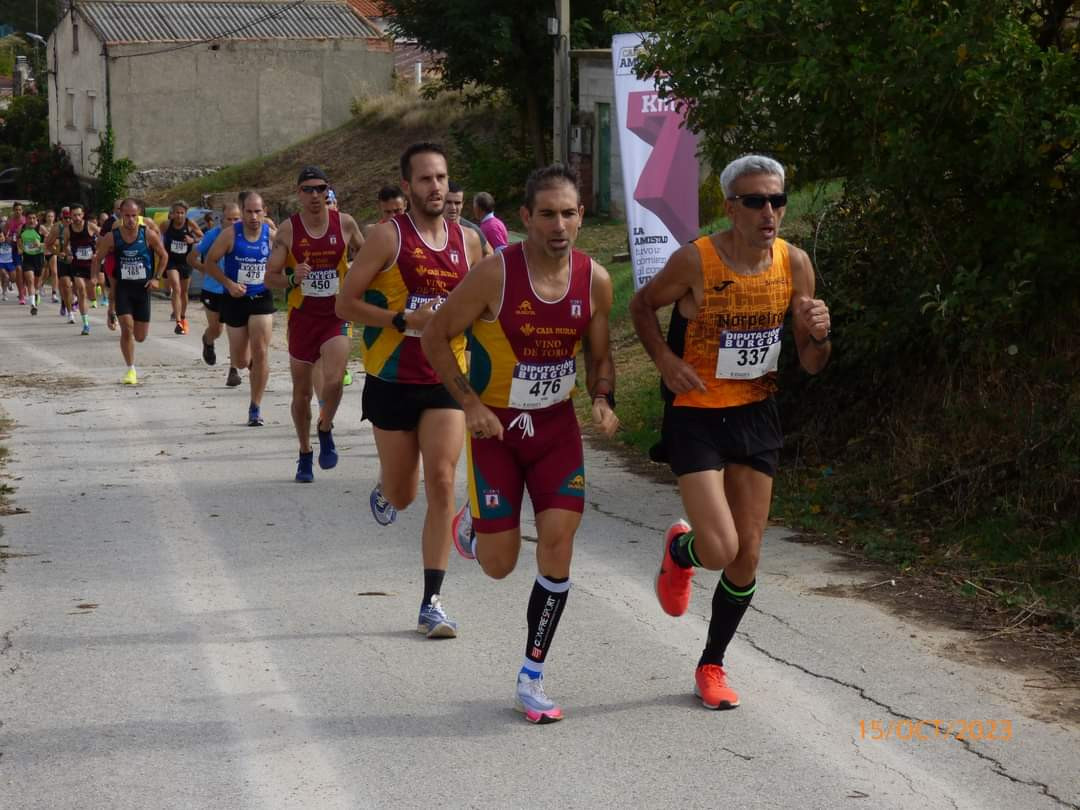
{"points": [[188, 87]]}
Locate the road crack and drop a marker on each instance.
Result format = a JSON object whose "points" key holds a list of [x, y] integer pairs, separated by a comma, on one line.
{"points": [[997, 766]]}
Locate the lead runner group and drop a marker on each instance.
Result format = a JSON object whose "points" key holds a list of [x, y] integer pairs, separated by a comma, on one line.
{"points": [[473, 343]]}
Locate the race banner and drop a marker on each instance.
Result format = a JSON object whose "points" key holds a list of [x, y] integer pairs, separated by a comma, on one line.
{"points": [[659, 165]]}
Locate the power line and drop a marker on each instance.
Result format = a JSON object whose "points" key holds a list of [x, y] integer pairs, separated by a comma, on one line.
{"points": [[222, 35]]}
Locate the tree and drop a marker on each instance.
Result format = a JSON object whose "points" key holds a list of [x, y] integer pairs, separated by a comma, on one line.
{"points": [[112, 172], [498, 45]]}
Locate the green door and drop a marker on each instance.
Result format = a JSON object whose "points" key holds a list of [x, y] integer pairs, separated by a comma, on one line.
{"points": [[603, 159]]}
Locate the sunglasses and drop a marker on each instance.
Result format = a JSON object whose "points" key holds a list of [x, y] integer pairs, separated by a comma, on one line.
{"points": [[757, 201], [314, 189]]}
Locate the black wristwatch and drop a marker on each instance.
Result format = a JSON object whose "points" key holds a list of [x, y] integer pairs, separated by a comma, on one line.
{"points": [[399, 321]]}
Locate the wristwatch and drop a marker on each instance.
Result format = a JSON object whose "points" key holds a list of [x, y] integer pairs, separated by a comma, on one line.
{"points": [[399, 321]]}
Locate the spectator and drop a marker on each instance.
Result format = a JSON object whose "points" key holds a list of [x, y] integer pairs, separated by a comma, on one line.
{"points": [[494, 229]]}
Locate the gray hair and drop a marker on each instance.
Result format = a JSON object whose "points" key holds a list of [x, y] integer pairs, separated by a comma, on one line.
{"points": [[749, 164]]}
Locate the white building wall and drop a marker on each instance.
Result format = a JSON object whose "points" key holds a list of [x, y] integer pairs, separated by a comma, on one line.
{"points": [[76, 92]]}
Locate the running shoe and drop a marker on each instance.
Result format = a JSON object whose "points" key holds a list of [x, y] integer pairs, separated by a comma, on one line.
{"points": [[328, 456], [209, 355], [533, 702], [3, 296], [433, 621], [63, 310], [85, 329], [71, 317], [304, 473], [710, 684], [381, 509], [462, 531], [255, 417], [33, 309], [673, 582], [55, 297], [178, 329], [93, 303], [184, 325], [130, 377], [347, 379], [233, 379]]}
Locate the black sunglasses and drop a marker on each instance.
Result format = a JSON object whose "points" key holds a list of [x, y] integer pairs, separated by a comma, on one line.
{"points": [[314, 189], [757, 201]]}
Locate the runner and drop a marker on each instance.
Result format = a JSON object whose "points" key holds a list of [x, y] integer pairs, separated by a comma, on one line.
{"points": [[404, 269], [32, 248], [7, 263], [81, 244], [15, 225], [179, 236], [212, 294], [390, 201], [528, 311], [310, 257], [49, 276], [58, 242], [455, 201], [140, 262], [721, 430], [248, 310]]}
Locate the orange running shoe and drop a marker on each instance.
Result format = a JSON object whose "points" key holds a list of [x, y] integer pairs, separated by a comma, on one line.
{"points": [[673, 581], [710, 684], [184, 325]]}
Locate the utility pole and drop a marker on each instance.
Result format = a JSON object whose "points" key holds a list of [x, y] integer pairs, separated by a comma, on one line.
{"points": [[561, 97]]}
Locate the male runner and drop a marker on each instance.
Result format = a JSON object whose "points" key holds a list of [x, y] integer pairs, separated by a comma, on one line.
{"points": [[405, 268], [310, 257], [140, 261], [180, 234], [48, 222], [81, 245], [721, 430], [15, 225], [212, 294], [390, 201], [248, 310], [455, 200], [58, 243], [528, 311]]}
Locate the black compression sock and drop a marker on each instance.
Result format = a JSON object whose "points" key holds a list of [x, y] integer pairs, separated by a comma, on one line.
{"points": [[433, 580], [729, 603], [546, 605]]}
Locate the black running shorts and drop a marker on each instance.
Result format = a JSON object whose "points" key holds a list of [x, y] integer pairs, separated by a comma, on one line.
{"points": [[211, 300], [236, 311], [64, 269], [398, 406], [132, 298], [34, 262], [698, 439]]}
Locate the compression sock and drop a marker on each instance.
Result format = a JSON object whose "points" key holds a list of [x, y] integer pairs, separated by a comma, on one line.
{"points": [[682, 550], [546, 605], [433, 580], [729, 603]]}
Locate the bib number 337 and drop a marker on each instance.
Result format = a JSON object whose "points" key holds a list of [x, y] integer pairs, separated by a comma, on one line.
{"points": [[748, 355]]}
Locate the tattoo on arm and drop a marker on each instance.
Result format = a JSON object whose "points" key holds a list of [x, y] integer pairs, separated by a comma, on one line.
{"points": [[463, 384]]}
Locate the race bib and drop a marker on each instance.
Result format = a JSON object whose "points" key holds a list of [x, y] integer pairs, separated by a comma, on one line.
{"points": [[320, 283], [748, 355], [132, 270], [416, 302], [251, 273], [6, 256], [178, 246], [538, 385], [84, 253]]}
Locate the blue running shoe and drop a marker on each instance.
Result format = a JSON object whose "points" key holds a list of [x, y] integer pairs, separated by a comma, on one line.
{"points": [[433, 621], [462, 531], [381, 509], [327, 452], [533, 702], [255, 417], [304, 473]]}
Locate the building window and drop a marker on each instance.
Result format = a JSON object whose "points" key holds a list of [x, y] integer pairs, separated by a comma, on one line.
{"points": [[74, 37], [69, 110], [91, 111]]}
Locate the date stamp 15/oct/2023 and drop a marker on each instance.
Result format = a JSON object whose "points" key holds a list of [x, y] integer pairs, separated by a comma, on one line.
{"points": [[905, 729]]}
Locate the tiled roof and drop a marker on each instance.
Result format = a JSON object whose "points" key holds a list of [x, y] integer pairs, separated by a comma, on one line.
{"points": [[371, 8], [146, 21]]}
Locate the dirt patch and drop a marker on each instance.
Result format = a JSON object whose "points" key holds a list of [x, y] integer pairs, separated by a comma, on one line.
{"points": [[1014, 639], [44, 382]]}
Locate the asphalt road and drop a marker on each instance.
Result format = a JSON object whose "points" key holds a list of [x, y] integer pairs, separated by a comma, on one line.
{"points": [[182, 626]]}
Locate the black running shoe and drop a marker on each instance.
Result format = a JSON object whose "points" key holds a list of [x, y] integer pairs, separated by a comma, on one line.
{"points": [[233, 379], [209, 356]]}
